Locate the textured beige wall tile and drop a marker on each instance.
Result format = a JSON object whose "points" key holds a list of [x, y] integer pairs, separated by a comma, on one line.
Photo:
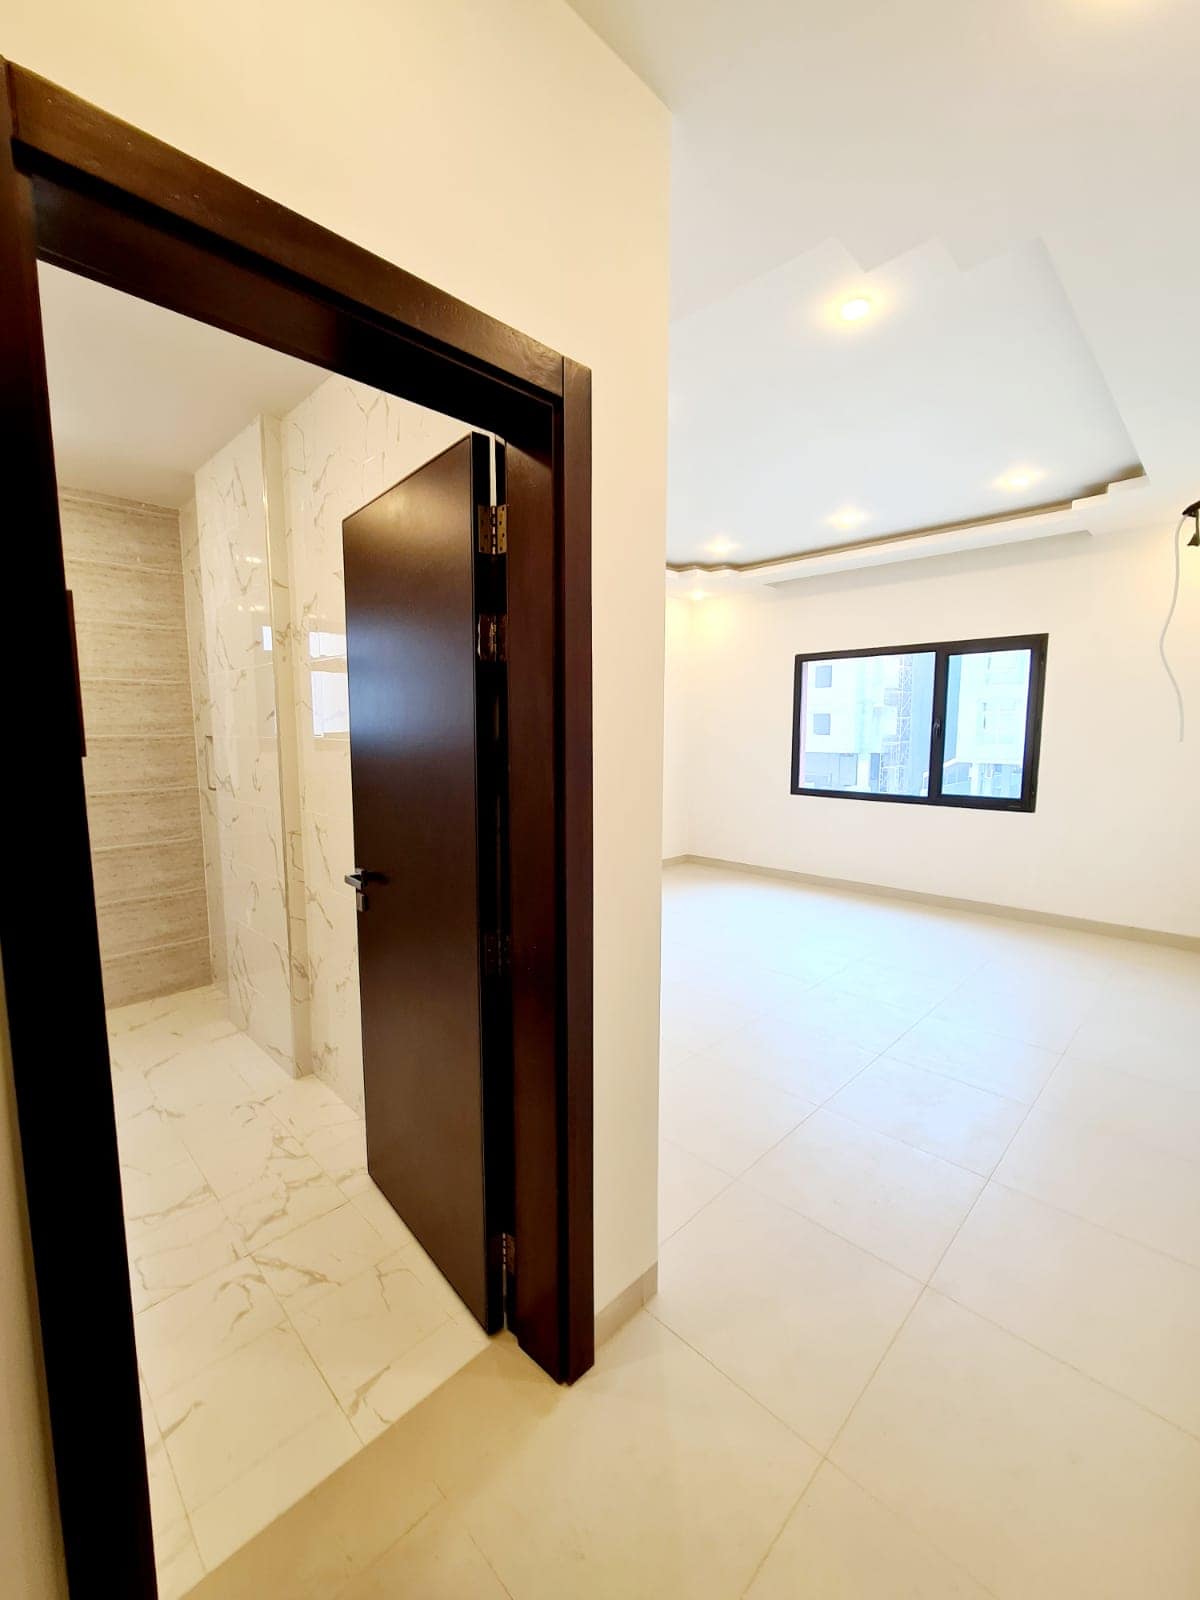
{"points": [[109, 594], [125, 706], [153, 972], [162, 762], [130, 925], [135, 872], [119, 532], [131, 650]]}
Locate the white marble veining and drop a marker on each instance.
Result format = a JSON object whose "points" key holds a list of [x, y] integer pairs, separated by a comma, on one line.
{"points": [[284, 1314], [342, 447]]}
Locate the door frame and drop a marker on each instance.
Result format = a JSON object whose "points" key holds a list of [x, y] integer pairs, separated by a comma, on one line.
{"points": [[84, 190]]}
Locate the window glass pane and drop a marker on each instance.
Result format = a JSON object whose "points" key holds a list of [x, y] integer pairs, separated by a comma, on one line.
{"points": [[865, 724], [987, 700]]}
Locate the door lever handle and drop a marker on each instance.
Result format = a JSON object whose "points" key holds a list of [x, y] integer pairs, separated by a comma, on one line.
{"points": [[358, 881]]}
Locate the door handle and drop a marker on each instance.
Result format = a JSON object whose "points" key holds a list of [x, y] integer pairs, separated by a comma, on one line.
{"points": [[358, 881]]}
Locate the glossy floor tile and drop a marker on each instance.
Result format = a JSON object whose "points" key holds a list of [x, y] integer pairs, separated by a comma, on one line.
{"points": [[929, 1295], [283, 1312]]}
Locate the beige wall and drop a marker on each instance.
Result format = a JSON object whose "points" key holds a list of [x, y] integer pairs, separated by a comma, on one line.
{"points": [[28, 1511], [497, 148], [125, 574], [1113, 836]]}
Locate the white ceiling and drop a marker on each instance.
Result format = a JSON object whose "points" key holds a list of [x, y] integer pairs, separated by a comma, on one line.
{"points": [[1016, 179], [140, 397]]}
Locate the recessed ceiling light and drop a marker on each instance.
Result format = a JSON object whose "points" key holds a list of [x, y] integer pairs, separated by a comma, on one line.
{"points": [[854, 310], [1018, 478], [848, 517], [721, 546], [697, 594]]}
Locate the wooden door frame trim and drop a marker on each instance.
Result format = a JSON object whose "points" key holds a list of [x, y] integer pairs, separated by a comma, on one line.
{"points": [[91, 193]]}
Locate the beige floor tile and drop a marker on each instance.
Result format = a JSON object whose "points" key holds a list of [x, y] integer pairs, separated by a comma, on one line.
{"points": [[438, 1560], [1151, 1036], [233, 1414], [685, 1185], [893, 1200], [651, 1476], [794, 1315], [1109, 1179], [794, 1055], [1123, 1314], [379, 1212], [284, 1475], [1161, 1115], [934, 1113], [973, 1055], [841, 1544], [1039, 1008], [181, 1335], [727, 1118], [1041, 1483]]}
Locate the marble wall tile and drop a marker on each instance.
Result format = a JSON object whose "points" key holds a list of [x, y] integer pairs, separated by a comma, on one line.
{"points": [[341, 447], [203, 756], [125, 570], [226, 559]]}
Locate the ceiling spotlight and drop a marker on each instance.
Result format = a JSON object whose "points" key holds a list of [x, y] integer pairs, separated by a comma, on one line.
{"points": [[721, 546], [848, 517], [1018, 478], [854, 310], [697, 594]]}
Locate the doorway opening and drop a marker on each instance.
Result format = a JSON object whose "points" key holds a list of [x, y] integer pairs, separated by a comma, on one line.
{"points": [[81, 192]]}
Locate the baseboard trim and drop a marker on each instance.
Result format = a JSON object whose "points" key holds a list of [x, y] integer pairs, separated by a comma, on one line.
{"points": [[985, 908], [625, 1305]]}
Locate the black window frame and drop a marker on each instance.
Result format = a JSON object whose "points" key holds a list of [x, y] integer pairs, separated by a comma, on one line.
{"points": [[1035, 643]]}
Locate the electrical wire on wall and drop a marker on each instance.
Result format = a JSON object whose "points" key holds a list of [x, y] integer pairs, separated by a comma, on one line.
{"points": [[1192, 511]]}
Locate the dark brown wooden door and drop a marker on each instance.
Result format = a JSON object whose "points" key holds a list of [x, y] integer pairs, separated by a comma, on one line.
{"points": [[411, 614]]}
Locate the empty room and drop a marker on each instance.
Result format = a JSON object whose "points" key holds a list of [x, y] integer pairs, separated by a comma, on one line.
{"points": [[600, 940]]}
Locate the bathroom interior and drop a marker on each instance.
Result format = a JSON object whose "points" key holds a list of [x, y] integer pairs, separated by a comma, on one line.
{"points": [[284, 1314]]}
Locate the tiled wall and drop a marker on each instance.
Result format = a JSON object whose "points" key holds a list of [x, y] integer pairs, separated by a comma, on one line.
{"points": [[236, 740], [124, 571], [342, 446]]}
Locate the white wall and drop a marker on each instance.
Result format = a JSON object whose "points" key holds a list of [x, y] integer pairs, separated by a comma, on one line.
{"points": [[1113, 837], [497, 148], [675, 737]]}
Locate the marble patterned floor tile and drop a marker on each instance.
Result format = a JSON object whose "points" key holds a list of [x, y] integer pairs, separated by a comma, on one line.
{"points": [[181, 1335], [322, 1255], [294, 1190], [359, 1330], [234, 1413]]}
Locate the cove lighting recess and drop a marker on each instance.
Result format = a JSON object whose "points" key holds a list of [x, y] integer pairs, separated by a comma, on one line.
{"points": [[1018, 478], [848, 517], [721, 546], [856, 309]]}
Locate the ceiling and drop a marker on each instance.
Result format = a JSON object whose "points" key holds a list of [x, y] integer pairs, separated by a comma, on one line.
{"points": [[1010, 182], [140, 397]]}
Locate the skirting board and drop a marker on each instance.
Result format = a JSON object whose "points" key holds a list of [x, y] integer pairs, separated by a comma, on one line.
{"points": [[625, 1305], [984, 908]]}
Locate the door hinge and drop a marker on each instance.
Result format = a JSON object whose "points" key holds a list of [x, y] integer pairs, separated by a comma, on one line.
{"points": [[497, 955], [493, 530], [508, 1254], [493, 637]]}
